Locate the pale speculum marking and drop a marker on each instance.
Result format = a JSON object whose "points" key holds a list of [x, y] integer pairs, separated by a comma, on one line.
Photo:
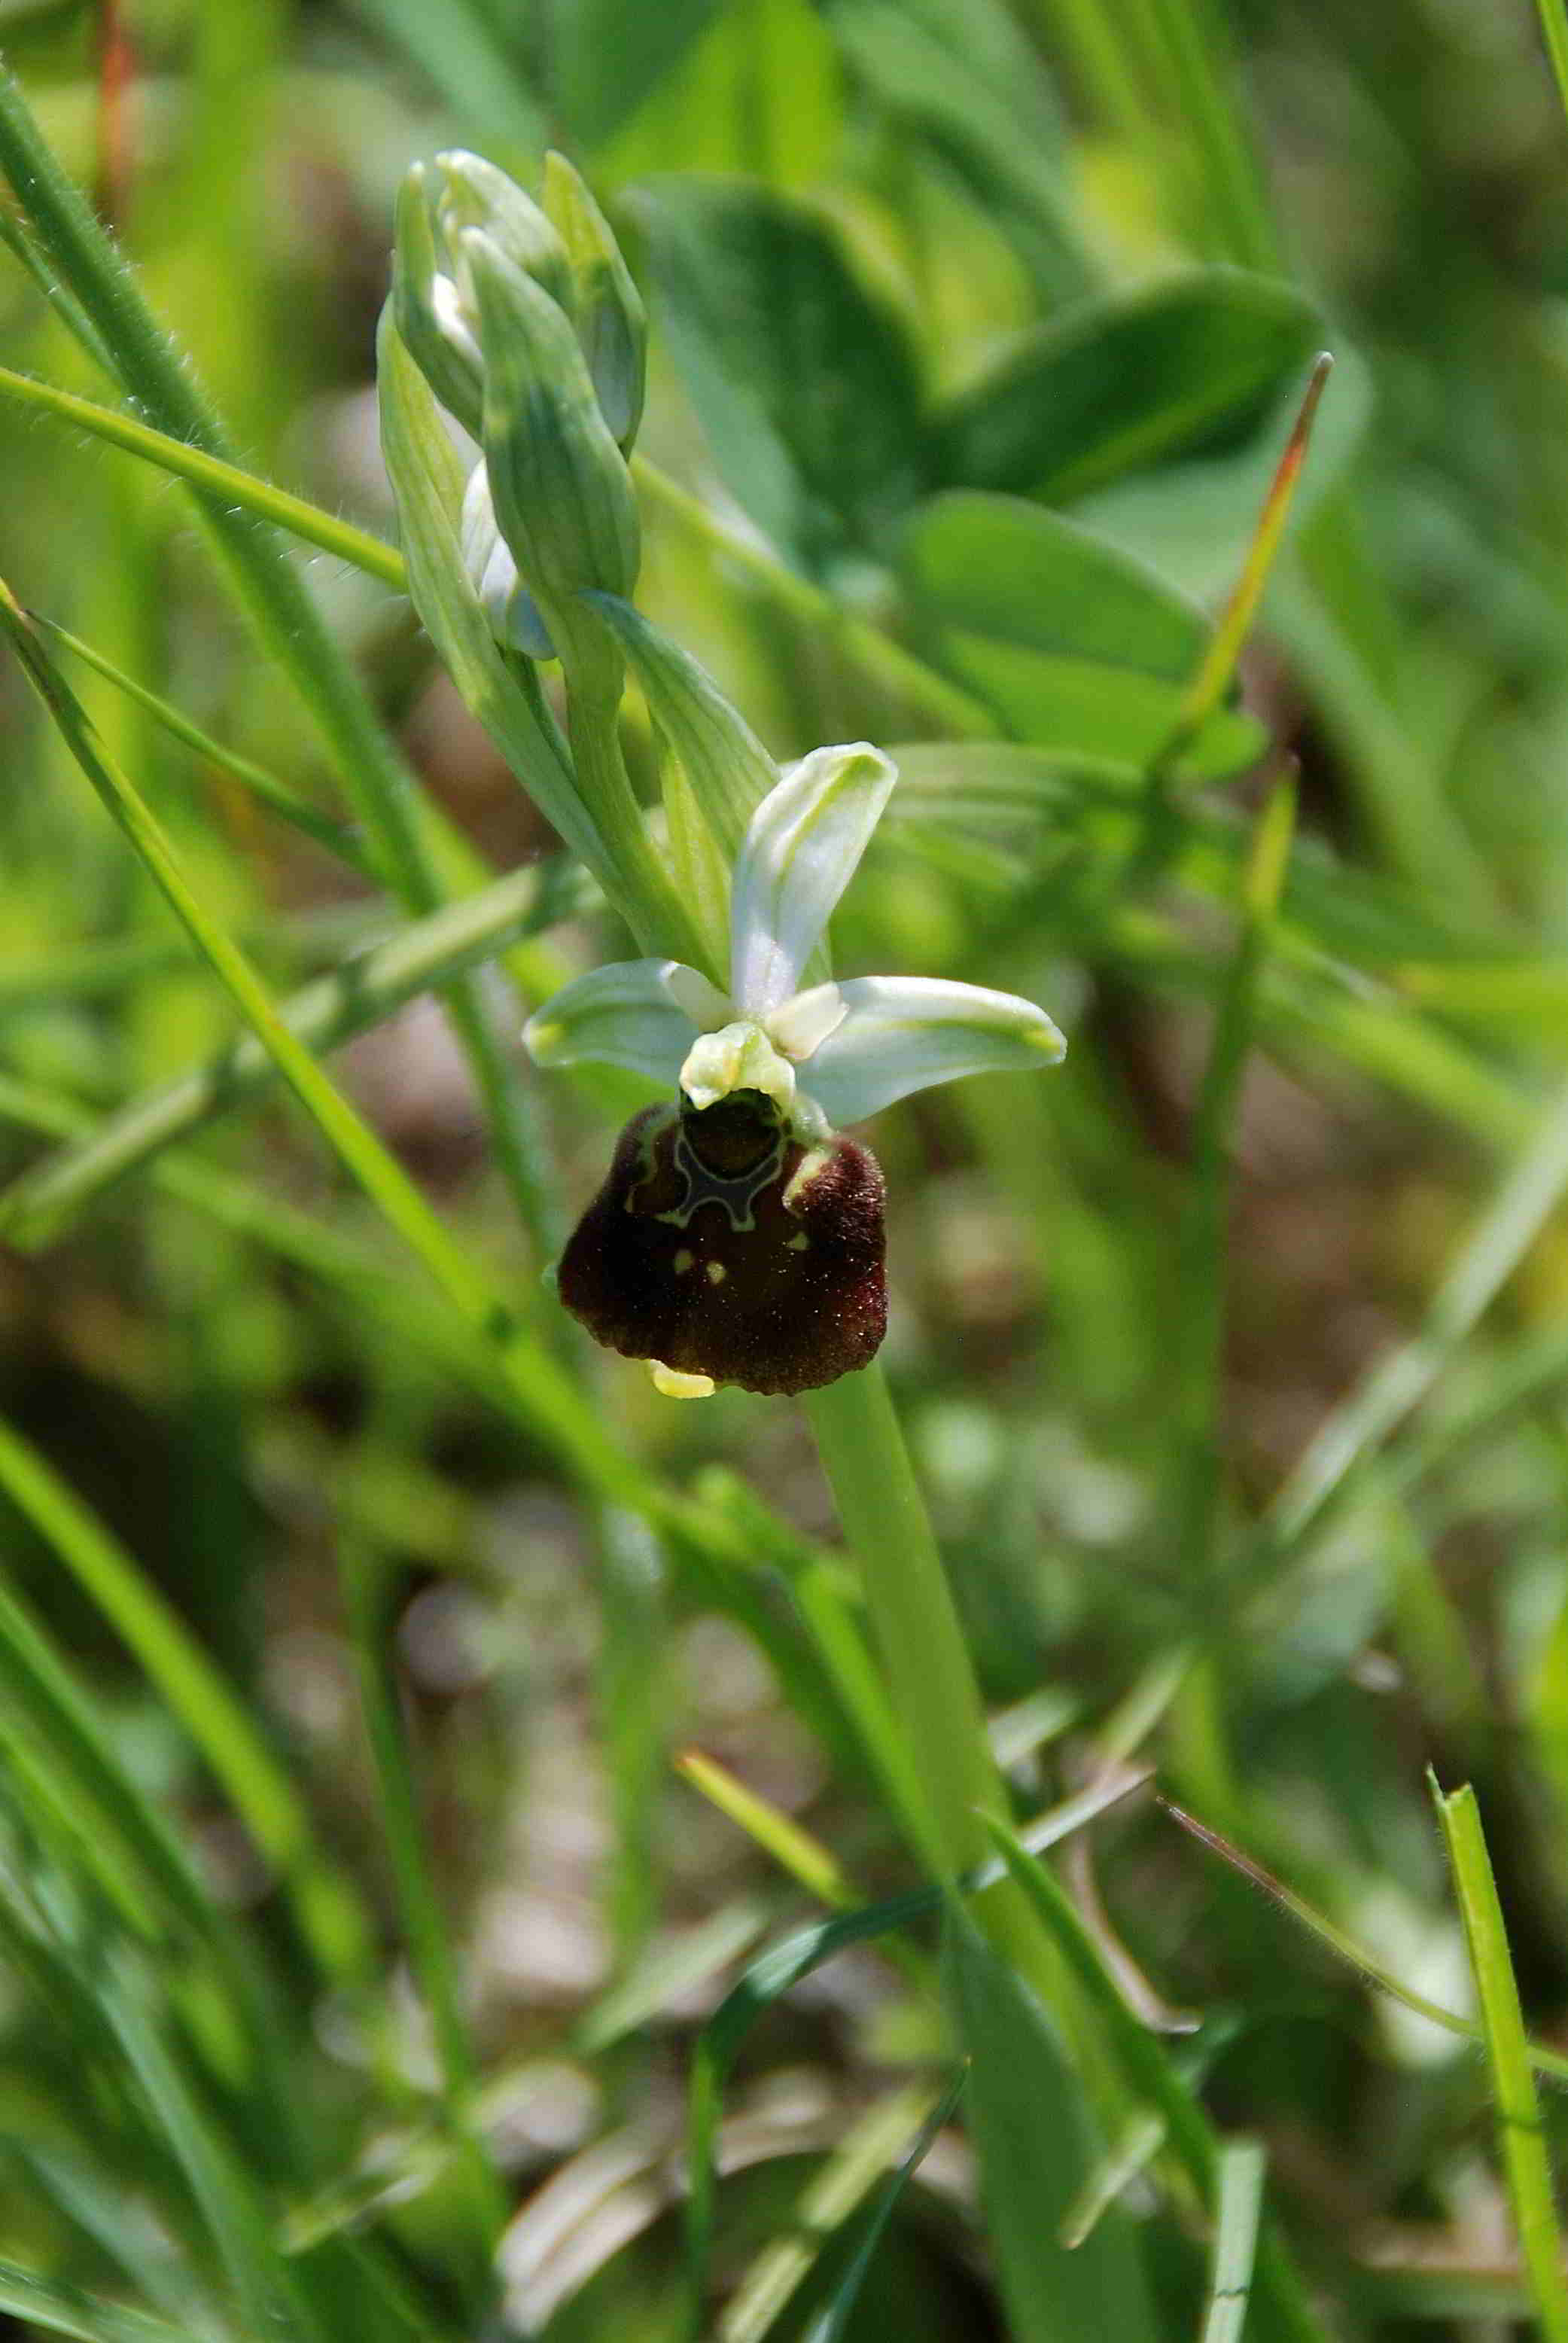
{"points": [[737, 1197]]}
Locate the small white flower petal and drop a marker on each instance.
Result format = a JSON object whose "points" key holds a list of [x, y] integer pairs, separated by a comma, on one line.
{"points": [[804, 1023], [801, 852], [629, 1014], [706, 1007], [903, 1033], [738, 1057]]}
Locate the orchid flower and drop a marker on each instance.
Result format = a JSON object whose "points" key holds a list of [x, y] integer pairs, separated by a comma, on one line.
{"points": [[738, 1238]]}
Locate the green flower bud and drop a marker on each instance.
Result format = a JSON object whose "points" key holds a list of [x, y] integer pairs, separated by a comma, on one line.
{"points": [[432, 299], [438, 331], [468, 193], [562, 493], [611, 324]]}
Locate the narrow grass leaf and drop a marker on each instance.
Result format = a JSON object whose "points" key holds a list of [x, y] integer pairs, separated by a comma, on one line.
{"points": [[1032, 2132], [534, 1378], [43, 1699], [215, 474], [1555, 31], [1154, 2081], [805, 1858], [1519, 2128], [830, 2200], [268, 790], [784, 1964], [331, 1915], [365, 990], [1554, 2063], [62, 2310], [1107, 2183], [1357, 1429], [1213, 678], [1235, 2240], [831, 2322], [270, 2295]]}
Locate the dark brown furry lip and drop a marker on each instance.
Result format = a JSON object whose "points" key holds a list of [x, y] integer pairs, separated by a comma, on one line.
{"points": [[721, 1245]]}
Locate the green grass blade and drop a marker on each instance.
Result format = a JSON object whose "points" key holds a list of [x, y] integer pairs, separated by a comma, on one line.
{"points": [[829, 2324], [783, 1965], [269, 2294], [329, 1909], [432, 1956], [1555, 32], [1519, 2130], [215, 474], [1554, 2063], [268, 792], [1154, 2081], [43, 1702], [1356, 1430], [1235, 2250], [413, 849], [63, 2309], [830, 2200], [1033, 2136], [420, 958]]}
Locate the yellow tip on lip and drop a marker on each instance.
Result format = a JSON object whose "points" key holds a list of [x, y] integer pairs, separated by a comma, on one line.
{"points": [[679, 1386]]}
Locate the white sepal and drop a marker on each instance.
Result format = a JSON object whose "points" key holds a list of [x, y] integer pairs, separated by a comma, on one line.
{"points": [[801, 852], [902, 1033], [629, 1014]]}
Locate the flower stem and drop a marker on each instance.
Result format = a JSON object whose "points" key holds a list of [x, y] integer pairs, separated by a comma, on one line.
{"points": [[933, 1685]]}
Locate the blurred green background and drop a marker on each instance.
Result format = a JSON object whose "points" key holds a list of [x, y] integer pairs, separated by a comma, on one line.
{"points": [[978, 329]]}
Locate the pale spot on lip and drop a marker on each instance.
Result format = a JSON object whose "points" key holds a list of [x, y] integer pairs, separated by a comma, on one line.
{"points": [[717, 1272], [683, 1261], [799, 1242]]}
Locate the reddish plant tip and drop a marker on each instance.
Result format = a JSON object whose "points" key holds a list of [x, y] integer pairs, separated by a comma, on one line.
{"points": [[722, 1245]]}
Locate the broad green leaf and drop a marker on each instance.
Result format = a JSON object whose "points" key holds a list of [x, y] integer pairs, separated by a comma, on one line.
{"points": [[761, 92], [1035, 2144], [967, 81], [804, 382], [478, 73], [608, 57], [1122, 383], [1078, 647]]}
